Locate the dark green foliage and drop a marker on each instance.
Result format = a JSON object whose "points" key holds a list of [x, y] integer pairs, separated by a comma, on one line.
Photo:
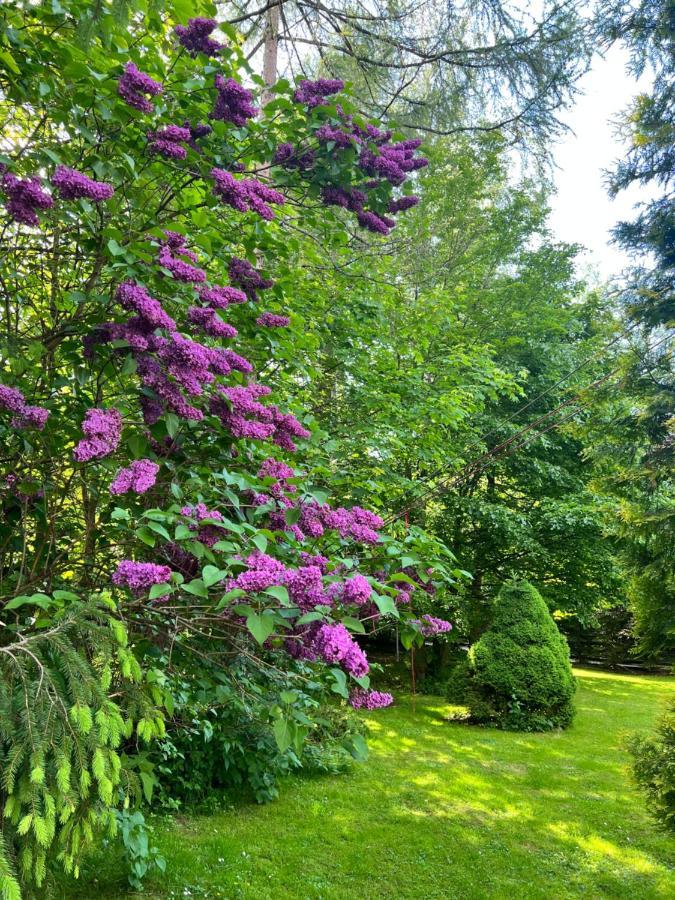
{"points": [[518, 674], [654, 769], [245, 726]]}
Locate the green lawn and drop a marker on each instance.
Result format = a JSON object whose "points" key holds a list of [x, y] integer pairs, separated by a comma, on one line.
{"points": [[442, 810]]}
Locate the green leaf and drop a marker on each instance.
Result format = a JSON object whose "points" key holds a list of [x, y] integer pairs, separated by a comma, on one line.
{"points": [[358, 748], [115, 248], [212, 574], [41, 600], [160, 590], [353, 624], [260, 541], [172, 423], [160, 529], [386, 605], [279, 592], [340, 684], [196, 587], [283, 734], [65, 595], [260, 626], [293, 515]]}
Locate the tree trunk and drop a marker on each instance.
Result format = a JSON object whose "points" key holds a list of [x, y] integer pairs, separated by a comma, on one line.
{"points": [[271, 50]]}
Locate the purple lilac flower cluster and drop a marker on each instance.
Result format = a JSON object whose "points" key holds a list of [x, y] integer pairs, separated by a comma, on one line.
{"points": [[220, 297], [208, 321], [170, 251], [280, 472], [150, 313], [239, 409], [314, 93], [102, 429], [378, 157], [430, 625], [138, 477], [234, 103], [24, 197], [271, 320], [168, 141], [139, 577], [334, 644], [203, 523], [243, 274], [195, 37], [24, 416], [365, 699], [134, 84], [245, 194], [73, 185]]}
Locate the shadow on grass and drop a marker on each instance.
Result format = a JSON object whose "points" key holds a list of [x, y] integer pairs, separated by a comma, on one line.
{"points": [[441, 810]]}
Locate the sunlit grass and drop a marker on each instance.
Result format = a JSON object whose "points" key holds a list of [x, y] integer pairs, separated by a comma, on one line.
{"points": [[441, 810]]}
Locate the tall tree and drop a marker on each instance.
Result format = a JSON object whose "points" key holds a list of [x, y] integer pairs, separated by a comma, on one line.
{"points": [[640, 444], [487, 65]]}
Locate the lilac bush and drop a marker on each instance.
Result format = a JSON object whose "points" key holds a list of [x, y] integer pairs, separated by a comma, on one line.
{"points": [[164, 460]]}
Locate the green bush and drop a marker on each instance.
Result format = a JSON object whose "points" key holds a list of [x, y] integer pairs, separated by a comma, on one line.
{"points": [[654, 769], [518, 675]]}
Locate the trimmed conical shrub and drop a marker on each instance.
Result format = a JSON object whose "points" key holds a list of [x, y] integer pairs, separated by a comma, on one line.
{"points": [[518, 674]]}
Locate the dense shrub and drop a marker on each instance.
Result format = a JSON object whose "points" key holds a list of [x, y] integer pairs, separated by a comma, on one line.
{"points": [[518, 675], [654, 769], [244, 727]]}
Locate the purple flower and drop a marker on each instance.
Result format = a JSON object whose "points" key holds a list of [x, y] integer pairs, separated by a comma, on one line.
{"points": [[25, 416], [178, 268], [102, 429], [168, 141], [139, 577], [208, 533], [245, 194], [329, 133], [402, 203], [374, 223], [242, 273], [134, 84], [73, 185], [335, 645], [210, 322], [356, 590], [221, 297], [305, 588], [233, 103], [313, 93], [24, 197], [133, 297], [362, 699], [195, 37], [270, 320], [139, 477], [430, 625]]}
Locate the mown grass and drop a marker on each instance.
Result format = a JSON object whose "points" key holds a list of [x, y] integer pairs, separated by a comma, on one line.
{"points": [[441, 810]]}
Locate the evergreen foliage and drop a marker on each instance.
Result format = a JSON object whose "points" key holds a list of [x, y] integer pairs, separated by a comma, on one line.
{"points": [[654, 769], [70, 695], [518, 675]]}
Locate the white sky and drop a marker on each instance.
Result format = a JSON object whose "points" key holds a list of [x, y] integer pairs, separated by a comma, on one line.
{"points": [[582, 212]]}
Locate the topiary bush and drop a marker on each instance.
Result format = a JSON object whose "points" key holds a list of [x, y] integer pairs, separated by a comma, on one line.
{"points": [[518, 675], [654, 769]]}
